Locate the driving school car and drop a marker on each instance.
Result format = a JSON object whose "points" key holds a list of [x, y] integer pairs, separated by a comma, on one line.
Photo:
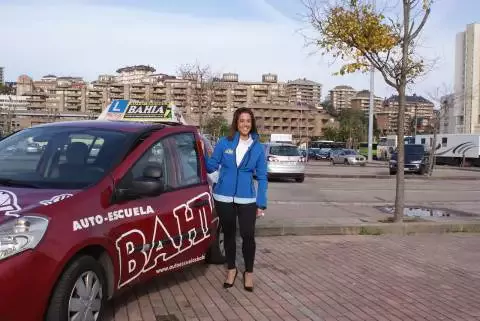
{"points": [[103, 206]]}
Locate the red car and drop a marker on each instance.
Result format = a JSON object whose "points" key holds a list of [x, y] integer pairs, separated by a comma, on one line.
{"points": [[106, 204]]}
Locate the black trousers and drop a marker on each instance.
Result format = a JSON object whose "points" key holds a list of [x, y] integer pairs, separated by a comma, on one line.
{"points": [[247, 216]]}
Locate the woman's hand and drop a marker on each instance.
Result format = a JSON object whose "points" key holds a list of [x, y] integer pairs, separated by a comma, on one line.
{"points": [[260, 212]]}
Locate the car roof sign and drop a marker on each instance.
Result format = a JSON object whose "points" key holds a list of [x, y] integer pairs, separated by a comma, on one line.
{"points": [[155, 112]]}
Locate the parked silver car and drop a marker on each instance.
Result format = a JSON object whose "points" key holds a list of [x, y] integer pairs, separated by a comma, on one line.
{"points": [[348, 157], [284, 160]]}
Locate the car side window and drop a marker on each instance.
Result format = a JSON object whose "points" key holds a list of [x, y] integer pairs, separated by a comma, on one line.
{"points": [[156, 155], [187, 153]]}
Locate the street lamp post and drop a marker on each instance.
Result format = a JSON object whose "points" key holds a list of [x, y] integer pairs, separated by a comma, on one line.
{"points": [[370, 109]]}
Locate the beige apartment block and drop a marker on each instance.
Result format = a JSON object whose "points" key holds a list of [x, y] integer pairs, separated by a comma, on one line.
{"points": [[417, 109], [61, 95], [301, 121], [341, 97], [304, 92], [361, 101]]}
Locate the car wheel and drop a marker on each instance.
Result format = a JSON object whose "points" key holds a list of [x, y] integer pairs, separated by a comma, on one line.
{"points": [[345, 162], [216, 252], [80, 293], [332, 162], [300, 179], [393, 172]]}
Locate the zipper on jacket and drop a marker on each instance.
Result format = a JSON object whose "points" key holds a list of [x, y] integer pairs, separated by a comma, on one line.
{"points": [[247, 154]]}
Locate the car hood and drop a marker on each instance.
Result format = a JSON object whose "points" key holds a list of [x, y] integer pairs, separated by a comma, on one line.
{"points": [[15, 202]]}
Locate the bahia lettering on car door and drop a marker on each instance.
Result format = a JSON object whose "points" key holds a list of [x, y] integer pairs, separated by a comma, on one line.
{"points": [[161, 232]]}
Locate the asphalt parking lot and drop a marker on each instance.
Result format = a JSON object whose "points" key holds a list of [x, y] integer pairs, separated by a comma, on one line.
{"points": [[344, 278], [356, 200]]}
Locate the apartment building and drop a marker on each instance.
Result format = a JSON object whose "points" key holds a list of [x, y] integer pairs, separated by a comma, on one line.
{"points": [[361, 101], [10, 105], [302, 122], [341, 97], [418, 114], [466, 111], [58, 96], [304, 92], [134, 74]]}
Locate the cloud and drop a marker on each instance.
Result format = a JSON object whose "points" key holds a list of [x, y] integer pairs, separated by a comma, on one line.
{"points": [[80, 38]]}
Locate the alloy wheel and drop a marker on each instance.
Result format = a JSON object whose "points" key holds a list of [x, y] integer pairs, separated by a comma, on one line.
{"points": [[86, 298]]}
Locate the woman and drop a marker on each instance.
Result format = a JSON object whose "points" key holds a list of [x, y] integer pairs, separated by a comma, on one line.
{"points": [[238, 156]]}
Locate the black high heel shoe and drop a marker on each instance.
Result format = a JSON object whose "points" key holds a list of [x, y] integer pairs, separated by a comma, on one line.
{"points": [[247, 288], [227, 285]]}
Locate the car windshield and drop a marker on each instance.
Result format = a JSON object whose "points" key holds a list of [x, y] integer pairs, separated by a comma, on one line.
{"points": [[349, 152], [284, 150], [59, 157]]}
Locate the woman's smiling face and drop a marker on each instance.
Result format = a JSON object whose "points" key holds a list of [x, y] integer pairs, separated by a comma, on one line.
{"points": [[244, 124]]}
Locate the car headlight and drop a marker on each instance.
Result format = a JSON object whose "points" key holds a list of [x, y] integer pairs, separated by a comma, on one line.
{"points": [[21, 234]]}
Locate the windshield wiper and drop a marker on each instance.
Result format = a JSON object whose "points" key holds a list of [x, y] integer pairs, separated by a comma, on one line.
{"points": [[14, 183]]}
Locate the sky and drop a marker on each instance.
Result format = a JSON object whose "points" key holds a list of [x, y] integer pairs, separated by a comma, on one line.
{"points": [[250, 37]]}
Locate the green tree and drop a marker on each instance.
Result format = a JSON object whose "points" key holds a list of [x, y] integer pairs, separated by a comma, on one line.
{"points": [[216, 126], [330, 133], [357, 33], [328, 106], [353, 126]]}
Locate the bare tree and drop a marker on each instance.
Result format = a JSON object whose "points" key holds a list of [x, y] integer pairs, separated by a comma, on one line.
{"points": [[363, 37], [203, 84]]}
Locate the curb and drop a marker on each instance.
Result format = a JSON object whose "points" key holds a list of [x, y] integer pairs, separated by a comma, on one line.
{"points": [[451, 178], [404, 228]]}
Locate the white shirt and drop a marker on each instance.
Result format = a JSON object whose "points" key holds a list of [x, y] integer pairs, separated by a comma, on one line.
{"points": [[242, 148]]}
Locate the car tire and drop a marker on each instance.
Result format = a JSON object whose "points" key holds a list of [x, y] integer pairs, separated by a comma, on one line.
{"points": [[332, 162], [300, 179], [215, 254], [393, 172], [66, 290], [422, 170], [346, 163]]}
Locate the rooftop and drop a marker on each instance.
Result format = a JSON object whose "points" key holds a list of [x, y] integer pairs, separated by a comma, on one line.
{"points": [[343, 87], [136, 67], [303, 81], [410, 99]]}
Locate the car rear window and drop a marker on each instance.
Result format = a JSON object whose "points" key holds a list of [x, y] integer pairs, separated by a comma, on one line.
{"points": [[414, 149], [284, 150]]}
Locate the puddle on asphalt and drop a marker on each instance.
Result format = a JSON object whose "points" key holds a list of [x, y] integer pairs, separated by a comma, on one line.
{"points": [[419, 211]]}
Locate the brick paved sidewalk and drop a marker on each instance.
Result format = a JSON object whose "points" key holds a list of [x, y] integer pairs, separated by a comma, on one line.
{"points": [[430, 277]]}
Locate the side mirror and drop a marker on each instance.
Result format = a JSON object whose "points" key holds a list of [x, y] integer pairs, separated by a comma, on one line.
{"points": [[151, 183]]}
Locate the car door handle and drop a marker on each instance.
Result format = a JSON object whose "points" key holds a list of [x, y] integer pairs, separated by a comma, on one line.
{"points": [[199, 204]]}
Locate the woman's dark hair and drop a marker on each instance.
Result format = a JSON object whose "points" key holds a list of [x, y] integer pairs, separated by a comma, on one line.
{"points": [[236, 116]]}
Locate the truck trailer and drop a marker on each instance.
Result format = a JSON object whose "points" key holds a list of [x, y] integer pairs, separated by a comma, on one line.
{"points": [[453, 149]]}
